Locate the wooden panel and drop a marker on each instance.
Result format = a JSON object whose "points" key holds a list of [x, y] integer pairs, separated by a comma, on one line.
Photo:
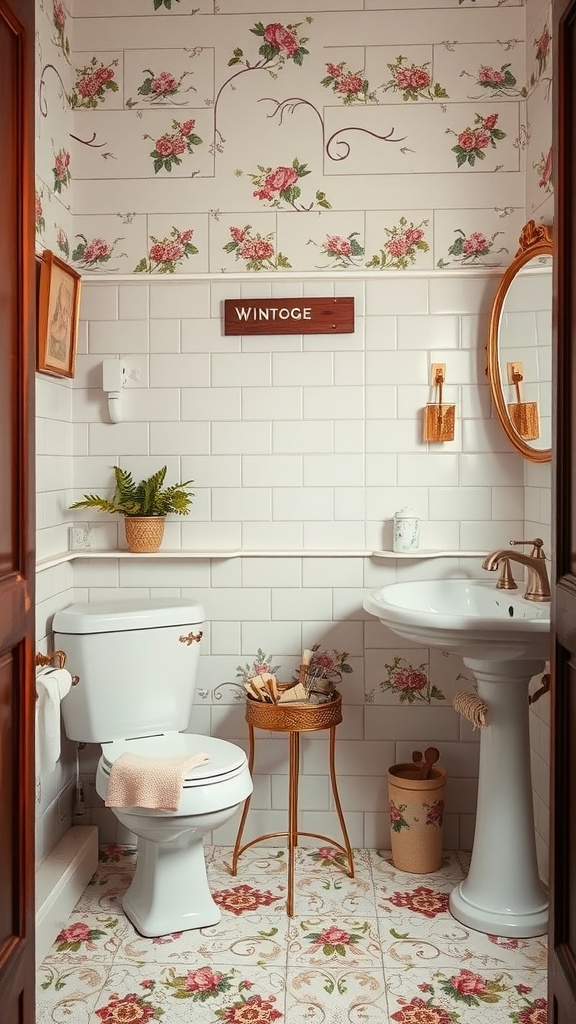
{"points": [[289, 316], [17, 356], [8, 280], [562, 939]]}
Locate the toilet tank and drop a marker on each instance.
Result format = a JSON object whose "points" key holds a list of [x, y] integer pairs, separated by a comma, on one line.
{"points": [[137, 663]]}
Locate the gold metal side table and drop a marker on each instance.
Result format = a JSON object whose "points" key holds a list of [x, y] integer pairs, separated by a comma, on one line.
{"points": [[294, 719]]}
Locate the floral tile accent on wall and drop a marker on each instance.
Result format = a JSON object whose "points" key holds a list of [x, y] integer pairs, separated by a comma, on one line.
{"points": [[403, 242], [466, 244], [169, 78], [413, 82], [61, 171], [63, 243], [160, 87], [280, 43], [255, 251], [340, 253], [278, 186], [60, 36], [475, 249], [95, 253], [169, 148], [39, 219], [144, 144], [543, 167], [472, 142], [166, 255], [110, 245], [347, 85], [94, 82], [410, 683]]}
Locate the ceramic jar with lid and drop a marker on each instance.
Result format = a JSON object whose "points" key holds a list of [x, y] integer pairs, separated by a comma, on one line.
{"points": [[406, 533]]}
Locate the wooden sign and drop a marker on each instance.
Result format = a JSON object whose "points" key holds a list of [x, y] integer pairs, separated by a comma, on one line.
{"points": [[289, 316]]}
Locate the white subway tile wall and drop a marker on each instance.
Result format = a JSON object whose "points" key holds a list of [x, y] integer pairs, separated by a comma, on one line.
{"points": [[310, 449]]}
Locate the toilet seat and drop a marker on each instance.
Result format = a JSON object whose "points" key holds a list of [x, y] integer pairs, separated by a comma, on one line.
{"points": [[226, 759]]}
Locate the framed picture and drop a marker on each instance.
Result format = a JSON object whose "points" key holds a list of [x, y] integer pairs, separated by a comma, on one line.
{"points": [[58, 309]]}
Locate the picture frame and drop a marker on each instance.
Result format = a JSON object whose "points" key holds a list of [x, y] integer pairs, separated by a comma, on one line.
{"points": [[58, 312]]}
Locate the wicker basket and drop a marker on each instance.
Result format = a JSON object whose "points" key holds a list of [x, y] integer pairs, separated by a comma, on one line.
{"points": [[297, 717], [144, 533]]}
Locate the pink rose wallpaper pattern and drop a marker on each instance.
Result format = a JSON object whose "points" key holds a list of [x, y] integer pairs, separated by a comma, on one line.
{"points": [[278, 114]]}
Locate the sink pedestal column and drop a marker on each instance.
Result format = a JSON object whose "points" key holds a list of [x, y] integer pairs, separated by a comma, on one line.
{"points": [[502, 894]]}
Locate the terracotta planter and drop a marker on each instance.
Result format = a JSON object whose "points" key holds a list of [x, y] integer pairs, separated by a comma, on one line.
{"points": [[416, 815], [144, 533]]}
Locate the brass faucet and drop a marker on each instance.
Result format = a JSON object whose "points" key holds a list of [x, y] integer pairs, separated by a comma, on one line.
{"points": [[537, 583]]}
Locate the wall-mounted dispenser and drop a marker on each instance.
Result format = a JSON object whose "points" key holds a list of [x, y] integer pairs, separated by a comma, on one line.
{"points": [[113, 378]]}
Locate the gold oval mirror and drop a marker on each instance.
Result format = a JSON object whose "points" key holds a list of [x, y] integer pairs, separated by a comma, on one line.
{"points": [[520, 346]]}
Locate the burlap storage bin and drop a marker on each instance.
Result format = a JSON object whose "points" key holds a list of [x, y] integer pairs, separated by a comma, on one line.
{"points": [[416, 816]]}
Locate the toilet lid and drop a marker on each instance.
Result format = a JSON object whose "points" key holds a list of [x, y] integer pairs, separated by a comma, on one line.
{"points": [[226, 759]]}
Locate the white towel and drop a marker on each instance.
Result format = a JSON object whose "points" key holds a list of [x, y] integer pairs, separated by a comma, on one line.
{"points": [[52, 684], [154, 782]]}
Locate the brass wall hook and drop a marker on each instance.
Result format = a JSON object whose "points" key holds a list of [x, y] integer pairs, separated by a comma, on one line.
{"points": [[439, 418]]}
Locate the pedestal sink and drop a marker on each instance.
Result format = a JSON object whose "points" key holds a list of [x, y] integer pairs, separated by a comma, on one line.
{"points": [[504, 641]]}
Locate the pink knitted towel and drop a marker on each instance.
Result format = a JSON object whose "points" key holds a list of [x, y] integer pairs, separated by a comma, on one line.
{"points": [[154, 782]]}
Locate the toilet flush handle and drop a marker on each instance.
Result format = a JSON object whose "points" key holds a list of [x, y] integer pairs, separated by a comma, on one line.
{"points": [[192, 638]]}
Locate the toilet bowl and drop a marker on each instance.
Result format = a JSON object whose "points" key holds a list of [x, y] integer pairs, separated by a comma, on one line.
{"points": [[137, 664]]}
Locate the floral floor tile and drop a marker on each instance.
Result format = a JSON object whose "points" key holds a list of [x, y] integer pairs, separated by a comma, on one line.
{"points": [[332, 940], [253, 939], [385, 873], [258, 860], [413, 938], [115, 854], [68, 992], [104, 892], [194, 990], [319, 995], [89, 938], [466, 997], [331, 893], [327, 859], [242, 894]]}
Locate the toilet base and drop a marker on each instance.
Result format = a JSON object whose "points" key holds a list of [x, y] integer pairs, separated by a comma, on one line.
{"points": [[169, 891]]}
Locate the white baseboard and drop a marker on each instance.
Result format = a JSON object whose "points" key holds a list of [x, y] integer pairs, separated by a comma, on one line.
{"points": [[60, 881]]}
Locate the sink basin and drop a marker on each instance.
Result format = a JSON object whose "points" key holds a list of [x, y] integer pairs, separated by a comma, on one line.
{"points": [[469, 617], [504, 641]]}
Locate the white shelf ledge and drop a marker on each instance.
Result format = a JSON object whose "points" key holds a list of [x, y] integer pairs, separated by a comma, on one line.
{"points": [[51, 561]]}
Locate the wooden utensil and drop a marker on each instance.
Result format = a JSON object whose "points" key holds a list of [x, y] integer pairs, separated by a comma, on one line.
{"points": [[431, 755], [417, 756]]}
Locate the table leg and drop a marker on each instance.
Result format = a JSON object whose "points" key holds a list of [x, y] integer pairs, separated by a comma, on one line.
{"points": [[337, 801], [292, 816], [237, 845]]}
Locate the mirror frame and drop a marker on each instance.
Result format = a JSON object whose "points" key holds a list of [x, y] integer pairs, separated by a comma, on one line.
{"points": [[535, 240]]}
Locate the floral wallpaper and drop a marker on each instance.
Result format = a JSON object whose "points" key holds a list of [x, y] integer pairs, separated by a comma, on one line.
{"points": [[210, 138]]}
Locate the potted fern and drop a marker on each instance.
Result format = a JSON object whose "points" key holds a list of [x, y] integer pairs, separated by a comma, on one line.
{"points": [[144, 506]]}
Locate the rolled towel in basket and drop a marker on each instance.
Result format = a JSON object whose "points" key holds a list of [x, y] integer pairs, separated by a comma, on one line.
{"points": [[471, 707], [153, 782]]}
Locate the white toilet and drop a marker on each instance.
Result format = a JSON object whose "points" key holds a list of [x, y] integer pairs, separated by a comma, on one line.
{"points": [[137, 663]]}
